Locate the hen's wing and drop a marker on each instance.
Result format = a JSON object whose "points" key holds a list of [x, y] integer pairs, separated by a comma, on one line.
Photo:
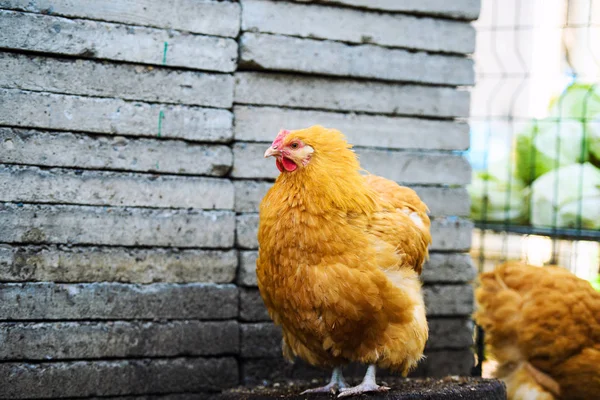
{"points": [[402, 226], [545, 316]]}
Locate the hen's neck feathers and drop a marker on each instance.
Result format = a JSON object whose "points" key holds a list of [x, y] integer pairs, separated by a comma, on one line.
{"points": [[330, 181]]}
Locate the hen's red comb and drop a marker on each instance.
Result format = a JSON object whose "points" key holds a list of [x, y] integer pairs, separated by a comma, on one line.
{"points": [[279, 139]]}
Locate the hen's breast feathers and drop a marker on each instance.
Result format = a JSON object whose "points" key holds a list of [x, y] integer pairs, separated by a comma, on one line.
{"points": [[343, 284]]}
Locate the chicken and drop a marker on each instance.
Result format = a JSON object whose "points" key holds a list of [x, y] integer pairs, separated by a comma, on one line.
{"points": [[542, 324], [340, 255]]}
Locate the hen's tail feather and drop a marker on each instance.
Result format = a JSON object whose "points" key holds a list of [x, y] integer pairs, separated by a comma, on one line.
{"points": [[544, 380]]}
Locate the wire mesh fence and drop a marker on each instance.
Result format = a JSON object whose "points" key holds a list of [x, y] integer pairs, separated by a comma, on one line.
{"points": [[535, 128]]}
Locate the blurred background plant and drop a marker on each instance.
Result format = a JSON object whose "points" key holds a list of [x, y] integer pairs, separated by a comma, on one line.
{"points": [[535, 136]]}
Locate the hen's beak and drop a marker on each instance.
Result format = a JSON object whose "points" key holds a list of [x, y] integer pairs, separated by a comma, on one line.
{"points": [[272, 152]]}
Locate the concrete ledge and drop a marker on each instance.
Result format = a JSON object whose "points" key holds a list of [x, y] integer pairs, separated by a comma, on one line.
{"points": [[47, 149], [440, 301], [102, 40], [406, 167], [118, 339], [440, 268], [208, 17], [283, 53], [357, 26], [59, 301], [55, 224], [448, 234], [460, 9], [71, 264], [435, 364], [442, 201], [115, 378], [297, 91], [260, 124], [450, 388], [123, 81], [113, 116], [59, 186], [263, 339]]}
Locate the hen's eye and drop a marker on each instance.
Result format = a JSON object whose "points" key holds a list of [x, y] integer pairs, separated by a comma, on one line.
{"points": [[294, 145]]}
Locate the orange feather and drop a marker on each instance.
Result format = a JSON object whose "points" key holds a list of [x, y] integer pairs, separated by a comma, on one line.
{"points": [[339, 259]]}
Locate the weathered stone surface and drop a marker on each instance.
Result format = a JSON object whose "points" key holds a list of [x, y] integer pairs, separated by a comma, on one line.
{"points": [[263, 339], [442, 201], [124, 81], [445, 201], [447, 234], [440, 363], [115, 264], [219, 18], [437, 363], [115, 226], [22, 146], [118, 339], [406, 167], [118, 377], [357, 26], [448, 300], [440, 268], [252, 307], [451, 234], [284, 53], [34, 185], [261, 124], [449, 268], [460, 9], [246, 231], [246, 275], [90, 39], [260, 340], [60, 301], [113, 116], [298, 91], [450, 333], [257, 371], [440, 300]]}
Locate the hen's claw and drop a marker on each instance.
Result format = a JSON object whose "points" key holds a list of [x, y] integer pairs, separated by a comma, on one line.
{"points": [[337, 382], [331, 387], [365, 387], [368, 385]]}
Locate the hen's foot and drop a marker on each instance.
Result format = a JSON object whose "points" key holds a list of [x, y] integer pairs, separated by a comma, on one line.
{"points": [[365, 387], [368, 385], [337, 382]]}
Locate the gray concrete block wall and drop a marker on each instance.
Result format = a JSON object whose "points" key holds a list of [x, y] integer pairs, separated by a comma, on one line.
{"points": [[131, 169]]}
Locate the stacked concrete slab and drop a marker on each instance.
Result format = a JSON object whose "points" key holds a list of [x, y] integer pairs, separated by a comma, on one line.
{"points": [[131, 136]]}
